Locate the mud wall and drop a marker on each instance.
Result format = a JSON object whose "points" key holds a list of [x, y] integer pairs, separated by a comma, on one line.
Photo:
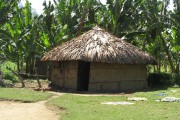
{"points": [[116, 77], [64, 74]]}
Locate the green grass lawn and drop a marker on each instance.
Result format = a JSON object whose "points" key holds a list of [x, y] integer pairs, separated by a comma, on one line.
{"points": [[76, 107], [23, 95]]}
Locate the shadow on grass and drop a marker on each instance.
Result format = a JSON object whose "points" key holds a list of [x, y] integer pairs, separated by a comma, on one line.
{"points": [[149, 89], [63, 90], [157, 88]]}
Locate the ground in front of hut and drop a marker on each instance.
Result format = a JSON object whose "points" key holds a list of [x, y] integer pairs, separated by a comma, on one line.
{"points": [[26, 111], [15, 107]]}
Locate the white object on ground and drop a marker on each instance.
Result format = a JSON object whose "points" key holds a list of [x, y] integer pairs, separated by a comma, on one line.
{"points": [[158, 100], [170, 99], [174, 91], [118, 103], [137, 99]]}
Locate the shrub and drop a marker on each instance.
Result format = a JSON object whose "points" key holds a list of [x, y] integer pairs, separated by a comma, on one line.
{"points": [[176, 78], [159, 79], [2, 84], [8, 75], [7, 83]]}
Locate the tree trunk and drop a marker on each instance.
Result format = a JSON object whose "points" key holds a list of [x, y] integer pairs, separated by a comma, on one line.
{"points": [[154, 66], [31, 68], [39, 83], [177, 68], [27, 65], [18, 66], [81, 24], [165, 68], [19, 77], [159, 65], [32, 63], [36, 74], [167, 53]]}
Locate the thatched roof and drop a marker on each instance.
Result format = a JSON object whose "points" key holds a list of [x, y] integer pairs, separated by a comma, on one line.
{"points": [[97, 45]]}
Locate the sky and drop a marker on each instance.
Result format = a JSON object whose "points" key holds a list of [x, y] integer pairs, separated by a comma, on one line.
{"points": [[37, 4]]}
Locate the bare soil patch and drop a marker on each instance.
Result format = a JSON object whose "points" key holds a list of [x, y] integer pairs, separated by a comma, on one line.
{"points": [[10, 110], [32, 84]]}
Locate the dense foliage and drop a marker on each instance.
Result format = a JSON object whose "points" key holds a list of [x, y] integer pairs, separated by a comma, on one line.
{"points": [[176, 79], [148, 24], [159, 79], [8, 75]]}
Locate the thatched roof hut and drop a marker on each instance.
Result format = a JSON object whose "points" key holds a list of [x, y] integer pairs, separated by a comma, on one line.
{"points": [[97, 45], [95, 51]]}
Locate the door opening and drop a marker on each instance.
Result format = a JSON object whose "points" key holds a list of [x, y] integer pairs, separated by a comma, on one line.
{"points": [[83, 76]]}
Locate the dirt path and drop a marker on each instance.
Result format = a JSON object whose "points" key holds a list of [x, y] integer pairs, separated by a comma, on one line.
{"points": [[27, 111]]}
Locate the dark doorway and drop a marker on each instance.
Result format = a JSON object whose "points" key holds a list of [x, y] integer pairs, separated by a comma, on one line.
{"points": [[83, 76]]}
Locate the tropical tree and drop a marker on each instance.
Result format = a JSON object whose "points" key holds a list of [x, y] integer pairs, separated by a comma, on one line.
{"points": [[7, 12], [18, 43], [77, 15], [175, 34], [25, 37]]}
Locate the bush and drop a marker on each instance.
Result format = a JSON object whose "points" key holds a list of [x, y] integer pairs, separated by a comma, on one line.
{"points": [[2, 84], [8, 75], [176, 78], [7, 83], [159, 79]]}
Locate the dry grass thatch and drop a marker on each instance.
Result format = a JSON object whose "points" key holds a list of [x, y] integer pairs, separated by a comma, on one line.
{"points": [[97, 45]]}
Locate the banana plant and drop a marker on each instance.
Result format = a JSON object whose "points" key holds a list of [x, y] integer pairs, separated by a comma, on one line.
{"points": [[175, 35], [7, 10], [77, 15], [16, 42]]}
